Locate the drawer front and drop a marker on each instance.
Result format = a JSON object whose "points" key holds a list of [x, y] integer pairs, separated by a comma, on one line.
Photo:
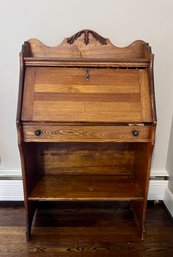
{"points": [[51, 133]]}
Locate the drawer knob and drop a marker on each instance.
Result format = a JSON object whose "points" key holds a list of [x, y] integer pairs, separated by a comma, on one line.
{"points": [[37, 132], [135, 133]]}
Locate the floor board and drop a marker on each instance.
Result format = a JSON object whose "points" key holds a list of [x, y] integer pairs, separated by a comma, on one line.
{"points": [[85, 229]]}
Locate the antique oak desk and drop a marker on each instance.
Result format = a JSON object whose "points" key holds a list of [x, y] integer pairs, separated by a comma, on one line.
{"points": [[86, 122]]}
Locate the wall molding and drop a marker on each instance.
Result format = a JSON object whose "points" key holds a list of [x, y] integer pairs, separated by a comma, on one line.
{"points": [[168, 200], [11, 190], [157, 189], [10, 174], [159, 173]]}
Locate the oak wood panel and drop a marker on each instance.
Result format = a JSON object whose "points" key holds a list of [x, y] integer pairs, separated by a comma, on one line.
{"points": [[93, 97], [72, 88], [83, 187], [142, 163], [86, 77], [68, 111], [152, 89], [51, 62], [28, 101], [93, 49], [20, 92], [95, 158], [86, 133], [70, 95], [145, 94], [30, 163]]}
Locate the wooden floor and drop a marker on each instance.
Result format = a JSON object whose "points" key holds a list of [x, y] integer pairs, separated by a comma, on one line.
{"points": [[85, 229]]}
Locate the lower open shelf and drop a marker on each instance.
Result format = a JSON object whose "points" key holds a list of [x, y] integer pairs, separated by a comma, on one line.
{"points": [[86, 187]]}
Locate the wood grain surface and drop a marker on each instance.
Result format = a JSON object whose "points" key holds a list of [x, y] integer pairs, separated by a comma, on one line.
{"points": [[86, 187], [138, 50], [95, 158], [68, 94], [85, 229], [86, 133]]}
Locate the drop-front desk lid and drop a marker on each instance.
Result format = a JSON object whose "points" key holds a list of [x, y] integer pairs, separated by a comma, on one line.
{"points": [[87, 79], [80, 94]]}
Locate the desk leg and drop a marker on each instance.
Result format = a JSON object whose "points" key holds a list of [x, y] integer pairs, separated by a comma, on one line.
{"points": [[30, 211], [139, 209]]}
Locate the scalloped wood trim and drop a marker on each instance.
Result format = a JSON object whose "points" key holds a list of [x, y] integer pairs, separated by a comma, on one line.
{"points": [[87, 44]]}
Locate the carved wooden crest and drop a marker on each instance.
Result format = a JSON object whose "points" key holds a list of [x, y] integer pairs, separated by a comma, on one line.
{"points": [[87, 33], [87, 45]]}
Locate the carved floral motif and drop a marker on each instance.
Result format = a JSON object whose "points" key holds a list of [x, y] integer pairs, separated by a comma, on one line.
{"points": [[86, 33]]}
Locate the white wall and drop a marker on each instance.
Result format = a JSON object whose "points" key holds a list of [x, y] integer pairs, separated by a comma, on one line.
{"points": [[51, 20]]}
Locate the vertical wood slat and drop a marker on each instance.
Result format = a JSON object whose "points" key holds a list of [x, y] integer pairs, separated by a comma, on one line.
{"points": [[28, 97], [145, 95]]}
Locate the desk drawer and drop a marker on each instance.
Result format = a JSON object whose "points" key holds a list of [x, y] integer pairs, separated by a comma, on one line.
{"points": [[60, 133]]}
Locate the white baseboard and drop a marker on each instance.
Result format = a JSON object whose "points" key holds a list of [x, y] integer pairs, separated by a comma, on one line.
{"points": [[168, 200], [157, 189], [159, 173], [11, 190], [10, 173], [11, 186]]}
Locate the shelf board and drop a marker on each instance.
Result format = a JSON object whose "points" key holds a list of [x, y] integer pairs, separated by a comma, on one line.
{"points": [[86, 187]]}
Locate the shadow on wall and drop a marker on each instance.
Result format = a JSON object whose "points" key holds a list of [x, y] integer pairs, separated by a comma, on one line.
{"points": [[169, 164]]}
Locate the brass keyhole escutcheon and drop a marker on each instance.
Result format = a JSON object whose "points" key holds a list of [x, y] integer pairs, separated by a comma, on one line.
{"points": [[87, 74]]}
